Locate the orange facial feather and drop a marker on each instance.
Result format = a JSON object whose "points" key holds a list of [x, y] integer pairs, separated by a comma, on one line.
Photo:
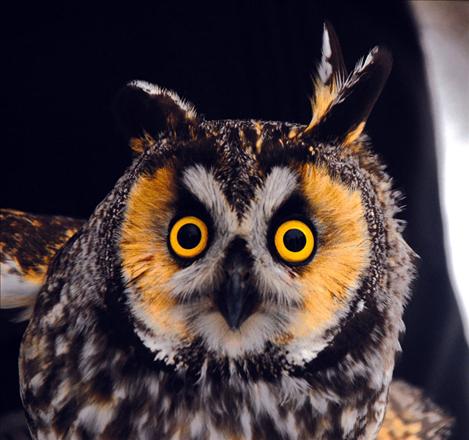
{"points": [[342, 252]]}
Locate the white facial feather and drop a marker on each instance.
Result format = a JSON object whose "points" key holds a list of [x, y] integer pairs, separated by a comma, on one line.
{"points": [[277, 284], [275, 281]]}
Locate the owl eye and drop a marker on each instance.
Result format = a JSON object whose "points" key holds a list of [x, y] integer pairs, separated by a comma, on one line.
{"points": [[294, 241], [188, 237]]}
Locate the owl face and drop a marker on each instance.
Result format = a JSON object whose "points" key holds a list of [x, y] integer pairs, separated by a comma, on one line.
{"points": [[245, 236], [238, 246]]}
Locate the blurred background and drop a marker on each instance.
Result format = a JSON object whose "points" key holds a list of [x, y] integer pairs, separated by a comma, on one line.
{"points": [[61, 151], [443, 27]]}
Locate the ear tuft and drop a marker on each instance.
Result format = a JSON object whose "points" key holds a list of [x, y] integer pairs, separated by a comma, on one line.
{"points": [[341, 105], [144, 110], [330, 75]]}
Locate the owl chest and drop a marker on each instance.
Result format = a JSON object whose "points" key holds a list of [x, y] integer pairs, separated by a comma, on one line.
{"points": [[148, 407], [80, 387], [145, 408]]}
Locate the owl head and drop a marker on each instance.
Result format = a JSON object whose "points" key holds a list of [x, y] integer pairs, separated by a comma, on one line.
{"points": [[250, 240]]}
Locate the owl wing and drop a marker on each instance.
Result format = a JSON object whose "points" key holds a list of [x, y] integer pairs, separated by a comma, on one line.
{"points": [[410, 415], [28, 244]]}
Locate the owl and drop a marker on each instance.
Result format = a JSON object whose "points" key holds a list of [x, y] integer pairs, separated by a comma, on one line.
{"points": [[242, 280]]}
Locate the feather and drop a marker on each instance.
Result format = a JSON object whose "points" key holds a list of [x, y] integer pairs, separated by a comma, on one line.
{"points": [[341, 104], [28, 244], [330, 74], [410, 414]]}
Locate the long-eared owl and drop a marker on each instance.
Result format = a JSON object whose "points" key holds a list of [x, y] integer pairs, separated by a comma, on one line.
{"points": [[243, 280]]}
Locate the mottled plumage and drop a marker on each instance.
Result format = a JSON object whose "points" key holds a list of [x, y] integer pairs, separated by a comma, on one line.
{"points": [[228, 329], [27, 245]]}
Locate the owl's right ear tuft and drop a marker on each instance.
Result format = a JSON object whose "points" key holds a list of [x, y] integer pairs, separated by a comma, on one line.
{"points": [[143, 111], [342, 103]]}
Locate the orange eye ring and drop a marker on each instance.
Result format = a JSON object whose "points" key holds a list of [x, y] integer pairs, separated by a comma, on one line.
{"points": [[294, 241], [188, 237]]}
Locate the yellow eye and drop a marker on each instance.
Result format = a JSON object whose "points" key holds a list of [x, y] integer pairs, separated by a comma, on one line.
{"points": [[188, 237], [294, 241]]}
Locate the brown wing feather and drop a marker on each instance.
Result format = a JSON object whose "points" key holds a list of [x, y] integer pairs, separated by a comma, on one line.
{"points": [[28, 244], [412, 416]]}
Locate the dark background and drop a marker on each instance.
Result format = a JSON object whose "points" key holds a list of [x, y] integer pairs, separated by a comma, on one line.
{"points": [[61, 151]]}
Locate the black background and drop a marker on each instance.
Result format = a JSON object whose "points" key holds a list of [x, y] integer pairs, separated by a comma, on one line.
{"points": [[61, 151]]}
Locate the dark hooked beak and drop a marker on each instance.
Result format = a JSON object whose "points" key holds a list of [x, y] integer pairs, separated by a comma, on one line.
{"points": [[237, 298]]}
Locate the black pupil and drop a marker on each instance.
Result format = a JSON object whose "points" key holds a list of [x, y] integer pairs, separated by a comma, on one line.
{"points": [[294, 240], [189, 236]]}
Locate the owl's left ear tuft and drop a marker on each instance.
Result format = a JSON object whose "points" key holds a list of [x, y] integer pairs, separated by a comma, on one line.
{"points": [[342, 103], [143, 111]]}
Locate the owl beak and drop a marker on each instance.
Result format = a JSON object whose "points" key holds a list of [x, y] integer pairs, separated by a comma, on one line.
{"points": [[236, 301], [237, 297]]}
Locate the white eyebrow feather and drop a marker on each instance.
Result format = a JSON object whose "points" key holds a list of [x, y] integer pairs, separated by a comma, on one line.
{"points": [[202, 183], [273, 280], [278, 186]]}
